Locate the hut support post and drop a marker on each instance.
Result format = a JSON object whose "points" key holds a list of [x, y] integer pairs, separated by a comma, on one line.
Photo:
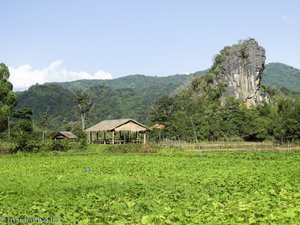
{"points": [[113, 138], [90, 137], [145, 138]]}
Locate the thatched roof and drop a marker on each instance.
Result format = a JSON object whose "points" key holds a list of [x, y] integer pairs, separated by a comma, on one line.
{"points": [[118, 125], [64, 134], [158, 126]]}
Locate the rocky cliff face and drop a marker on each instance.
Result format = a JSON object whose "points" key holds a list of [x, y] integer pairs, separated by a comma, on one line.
{"points": [[240, 68]]}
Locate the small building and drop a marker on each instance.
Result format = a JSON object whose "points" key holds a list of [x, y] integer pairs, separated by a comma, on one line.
{"points": [[159, 126], [119, 131], [64, 135], [158, 129]]}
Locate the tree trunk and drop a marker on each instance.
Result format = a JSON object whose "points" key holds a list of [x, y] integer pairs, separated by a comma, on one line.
{"points": [[44, 134], [8, 128], [82, 121], [194, 130]]}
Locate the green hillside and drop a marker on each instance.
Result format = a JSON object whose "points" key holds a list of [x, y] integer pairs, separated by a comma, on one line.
{"points": [[56, 100], [131, 96], [282, 76]]}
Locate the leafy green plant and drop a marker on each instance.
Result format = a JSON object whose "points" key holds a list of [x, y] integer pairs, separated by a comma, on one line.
{"points": [[183, 187], [132, 148]]}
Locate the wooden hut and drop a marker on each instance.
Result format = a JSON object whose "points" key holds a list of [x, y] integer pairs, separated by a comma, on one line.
{"points": [[119, 131], [64, 135], [159, 126]]}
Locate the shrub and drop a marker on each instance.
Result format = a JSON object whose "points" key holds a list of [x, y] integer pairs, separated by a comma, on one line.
{"points": [[60, 145], [27, 146], [244, 52], [6, 147], [24, 143]]}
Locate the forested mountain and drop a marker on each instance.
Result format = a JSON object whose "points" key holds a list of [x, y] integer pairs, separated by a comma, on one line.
{"points": [[131, 96], [55, 100], [282, 76], [275, 75]]}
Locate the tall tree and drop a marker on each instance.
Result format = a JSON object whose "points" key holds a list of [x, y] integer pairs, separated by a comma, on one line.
{"points": [[288, 124], [23, 124], [8, 98], [84, 104], [45, 119], [23, 129]]}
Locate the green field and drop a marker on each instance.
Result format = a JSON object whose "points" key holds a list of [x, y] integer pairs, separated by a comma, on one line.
{"points": [[167, 187]]}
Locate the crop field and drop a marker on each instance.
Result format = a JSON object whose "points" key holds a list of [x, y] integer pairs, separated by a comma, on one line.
{"points": [[167, 187]]}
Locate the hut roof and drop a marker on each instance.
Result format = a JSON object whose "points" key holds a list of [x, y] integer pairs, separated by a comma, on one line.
{"points": [[64, 134], [159, 126], [118, 125]]}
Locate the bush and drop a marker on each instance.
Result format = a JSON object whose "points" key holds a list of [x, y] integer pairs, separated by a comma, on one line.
{"points": [[60, 145], [6, 147], [81, 139], [26, 146], [83, 144]]}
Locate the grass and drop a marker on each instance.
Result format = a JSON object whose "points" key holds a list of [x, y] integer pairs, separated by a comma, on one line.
{"points": [[232, 145], [167, 187]]}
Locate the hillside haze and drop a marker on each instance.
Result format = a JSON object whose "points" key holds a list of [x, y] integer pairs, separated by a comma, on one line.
{"points": [[126, 97]]}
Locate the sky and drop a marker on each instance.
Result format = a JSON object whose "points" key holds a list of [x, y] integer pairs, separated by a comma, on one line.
{"points": [[64, 40]]}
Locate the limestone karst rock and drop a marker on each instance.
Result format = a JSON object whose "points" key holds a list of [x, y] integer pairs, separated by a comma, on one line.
{"points": [[240, 68]]}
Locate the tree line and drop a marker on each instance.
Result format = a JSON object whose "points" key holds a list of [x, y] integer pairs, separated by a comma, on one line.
{"points": [[16, 124], [200, 112], [194, 113]]}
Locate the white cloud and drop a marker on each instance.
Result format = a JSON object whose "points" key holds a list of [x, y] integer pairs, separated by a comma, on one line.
{"points": [[288, 20], [24, 76]]}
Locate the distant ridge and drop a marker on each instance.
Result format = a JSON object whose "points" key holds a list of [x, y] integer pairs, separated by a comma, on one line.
{"points": [[277, 75], [136, 82]]}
